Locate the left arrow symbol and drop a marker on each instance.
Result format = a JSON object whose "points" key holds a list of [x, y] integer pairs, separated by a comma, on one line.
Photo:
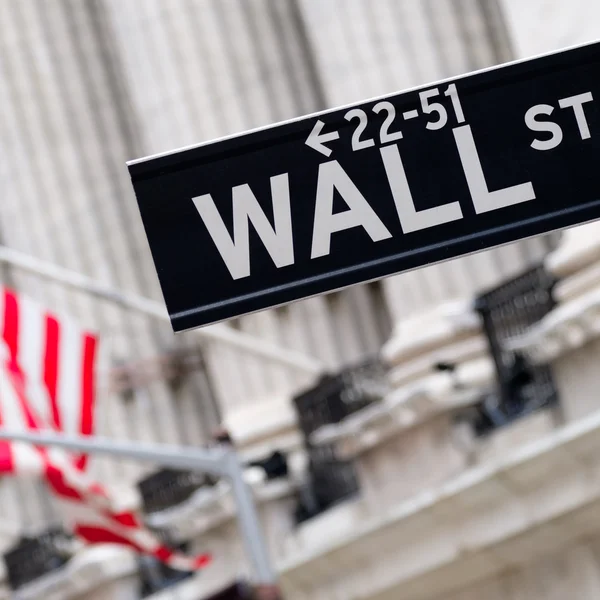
{"points": [[316, 140]]}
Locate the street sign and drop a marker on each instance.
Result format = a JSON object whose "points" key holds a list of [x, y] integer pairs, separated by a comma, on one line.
{"points": [[365, 191]]}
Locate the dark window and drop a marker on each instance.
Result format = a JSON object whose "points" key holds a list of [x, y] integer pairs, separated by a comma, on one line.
{"points": [[275, 465], [330, 478], [170, 487], [33, 557], [507, 312], [156, 575]]}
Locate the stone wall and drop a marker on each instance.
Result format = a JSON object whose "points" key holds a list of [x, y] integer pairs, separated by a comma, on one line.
{"points": [[573, 573]]}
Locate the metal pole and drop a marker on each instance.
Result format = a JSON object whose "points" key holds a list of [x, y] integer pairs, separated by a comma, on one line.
{"points": [[156, 310], [208, 460], [222, 461], [248, 519]]}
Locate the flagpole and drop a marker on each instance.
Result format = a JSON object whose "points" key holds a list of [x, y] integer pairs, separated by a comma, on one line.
{"points": [[221, 460], [156, 310]]}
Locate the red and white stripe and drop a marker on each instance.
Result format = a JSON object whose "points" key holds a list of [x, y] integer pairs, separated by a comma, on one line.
{"points": [[57, 360], [47, 382]]}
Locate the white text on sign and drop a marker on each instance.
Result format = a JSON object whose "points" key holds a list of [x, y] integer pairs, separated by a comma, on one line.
{"points": [[574, 102], [278, 238], [389, 131]]}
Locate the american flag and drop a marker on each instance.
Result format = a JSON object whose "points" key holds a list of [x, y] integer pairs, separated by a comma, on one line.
{"points": [[47, 382]]}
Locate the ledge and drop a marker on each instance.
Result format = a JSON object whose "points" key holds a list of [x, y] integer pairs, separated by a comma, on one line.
{"points": [[408, 407], [260, 420], [457, 352], [90, 568], [424, 332], [578, 284], [289, 442], [209, 508], [491, 518], [566, 328]]}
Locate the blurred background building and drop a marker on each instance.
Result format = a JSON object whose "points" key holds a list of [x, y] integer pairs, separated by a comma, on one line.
{"points": [[433, 435]]}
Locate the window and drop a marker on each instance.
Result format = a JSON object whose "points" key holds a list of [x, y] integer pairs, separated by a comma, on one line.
{"points": [[33, 557], [330, 478], [506, 312], [156, 575], [170, 487]]}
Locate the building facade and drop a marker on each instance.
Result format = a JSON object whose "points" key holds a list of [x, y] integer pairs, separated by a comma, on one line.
{"points": [[435, 486]]}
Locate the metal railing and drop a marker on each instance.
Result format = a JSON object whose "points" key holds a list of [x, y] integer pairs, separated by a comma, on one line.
{"points": [[33, 557], [330, 478], [169, 487], [337, 396], [507, 312]]}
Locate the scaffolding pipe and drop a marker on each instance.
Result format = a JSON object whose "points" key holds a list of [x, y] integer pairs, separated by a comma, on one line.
{"points": [[156, 310]]}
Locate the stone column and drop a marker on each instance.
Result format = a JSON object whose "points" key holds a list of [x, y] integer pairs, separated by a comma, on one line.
{"points": [[219, 67]]}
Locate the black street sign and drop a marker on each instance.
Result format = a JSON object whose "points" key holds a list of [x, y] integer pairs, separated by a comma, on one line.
{"points": [[362, 192]]}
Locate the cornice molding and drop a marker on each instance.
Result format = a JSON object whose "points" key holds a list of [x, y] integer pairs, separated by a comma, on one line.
{"points": [[493, 517], [408, 407], [568, 327]]}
